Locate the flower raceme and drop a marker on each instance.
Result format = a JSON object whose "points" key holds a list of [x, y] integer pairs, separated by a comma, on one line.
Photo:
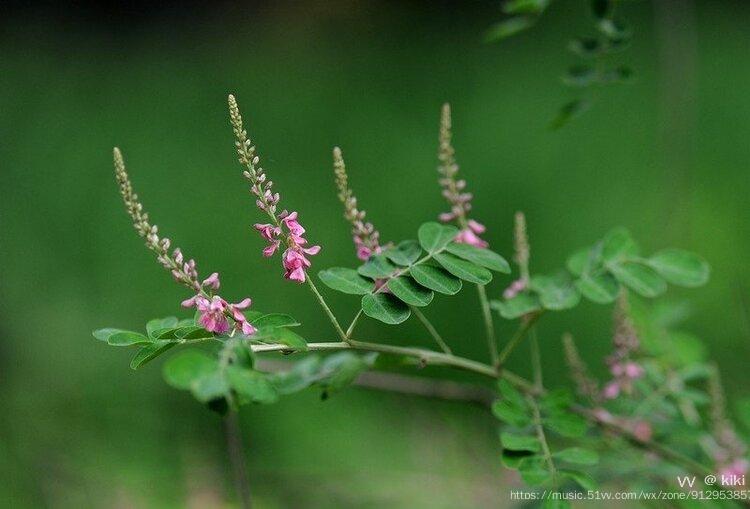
{"points": [[364, 235], [215, 312], [453, 189], [294, 259], [283, 227]]}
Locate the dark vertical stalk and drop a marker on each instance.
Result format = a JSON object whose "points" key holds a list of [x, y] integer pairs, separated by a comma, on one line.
{"points": [[237, 458]]}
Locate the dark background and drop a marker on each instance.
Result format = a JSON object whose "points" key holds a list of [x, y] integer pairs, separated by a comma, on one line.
{"points": [[665, 156]]}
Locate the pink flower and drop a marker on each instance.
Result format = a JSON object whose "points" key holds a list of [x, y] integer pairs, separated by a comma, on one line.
{"points": [[611, 390], [240, 321], [212, 281], [641, 430], [515, 288], [633, 370], [212, 318], [732, 471], [268, 231], [271, 248], [470, 234]]}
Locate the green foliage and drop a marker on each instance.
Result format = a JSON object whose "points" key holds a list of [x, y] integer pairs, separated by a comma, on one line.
{"points": [[599, 272], [412, 270]]}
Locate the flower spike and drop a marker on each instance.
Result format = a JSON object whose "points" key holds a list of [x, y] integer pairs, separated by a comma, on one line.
{"points": [[453, 190], [284, 227], [214, 310], [364, 235]]}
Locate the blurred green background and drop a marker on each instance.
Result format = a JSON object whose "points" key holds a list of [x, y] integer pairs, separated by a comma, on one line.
{"points": [[665, 156]]}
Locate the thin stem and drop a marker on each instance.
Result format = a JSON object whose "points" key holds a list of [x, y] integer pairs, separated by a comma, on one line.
{"points": [[350, 329], [526, 324], [536, 360], [542, 438], [237, 458], [489, 326], [427, 357], [432, 330], [328, 311]]}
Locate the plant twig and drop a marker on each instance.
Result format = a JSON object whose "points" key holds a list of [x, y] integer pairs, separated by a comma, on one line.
{"points": [[489, 326], [432, 330], [327, 310], [526, 324]]}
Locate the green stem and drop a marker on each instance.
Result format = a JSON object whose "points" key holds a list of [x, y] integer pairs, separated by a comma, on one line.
{"points": [[489, 326], [536, 360], [432, 330], [526, 324], [350, 329], [542, 438], [427, 357], [328, 311]]}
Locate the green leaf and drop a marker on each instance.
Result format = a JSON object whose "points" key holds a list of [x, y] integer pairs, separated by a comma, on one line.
{"points": [[377, 267], [556, 400], [251, 385], [150, 352], [583, 480], [618, 245], [406, 289], [302, 374], [519, 442], [512, 459], [436, 279], [680, 267], [274, 320], [511, 394], [209, 387], [511, 414], [484, 257], [290, 338], [602, 288], [463, 269], [386, 308], [640, 278], [509, 27], [104, 334], [525, 6], [125, 338], [405, 254], [346, 280], [433, 237], [555, 503], [342, 369], [534, 471], [242, 353], [187, 366], [520, 305], [566, 424], [569, 111], [160, 323], [555, 293], [578, 455]]}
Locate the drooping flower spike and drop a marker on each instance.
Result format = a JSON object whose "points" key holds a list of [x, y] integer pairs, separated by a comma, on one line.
{"points": [[215, 312], [364, 235], [285, 227], [453, 189]]}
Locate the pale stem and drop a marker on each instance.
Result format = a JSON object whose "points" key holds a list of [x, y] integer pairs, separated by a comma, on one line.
{"points": [[328, 311], [526, 324], [350, 329], [542, 438], [489, 326], [536, 359], [431, 329]]}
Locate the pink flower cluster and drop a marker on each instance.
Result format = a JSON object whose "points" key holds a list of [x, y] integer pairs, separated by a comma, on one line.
{"points": [[470, 234], [215, 312], [625, 373], [366, 240], [294, 259]]}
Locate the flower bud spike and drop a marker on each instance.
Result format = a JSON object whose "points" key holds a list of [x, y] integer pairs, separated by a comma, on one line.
{"points": [[364, 235]]}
